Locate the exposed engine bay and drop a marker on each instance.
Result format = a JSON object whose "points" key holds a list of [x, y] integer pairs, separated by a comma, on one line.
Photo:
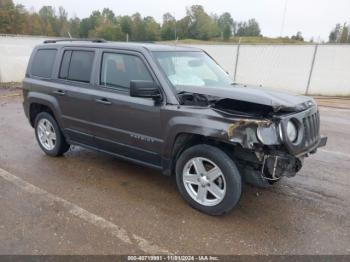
{"points": [[227, 105]]}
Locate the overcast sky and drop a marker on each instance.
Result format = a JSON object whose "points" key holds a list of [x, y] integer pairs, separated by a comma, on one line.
{"points": [[314, 18]]}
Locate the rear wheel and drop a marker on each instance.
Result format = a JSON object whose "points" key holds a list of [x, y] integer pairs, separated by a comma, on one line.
{"points": [[208, 179], [49, 135]]}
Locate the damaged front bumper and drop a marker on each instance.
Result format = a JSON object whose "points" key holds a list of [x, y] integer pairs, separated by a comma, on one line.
{"points": [[276, 155], [278, 164], [323, 142]]}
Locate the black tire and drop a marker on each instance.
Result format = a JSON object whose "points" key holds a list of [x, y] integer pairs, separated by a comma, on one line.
{"points": [[229, 170], [61, 146]]}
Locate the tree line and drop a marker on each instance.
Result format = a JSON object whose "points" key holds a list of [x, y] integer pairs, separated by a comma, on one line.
{"points": [[340, 34], [196, 24]]}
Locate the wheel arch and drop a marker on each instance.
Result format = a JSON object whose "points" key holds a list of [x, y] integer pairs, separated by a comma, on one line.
{"points": [[38, 103], [185, 140]]}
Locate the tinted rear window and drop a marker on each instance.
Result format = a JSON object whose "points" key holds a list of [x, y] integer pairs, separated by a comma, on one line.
{"points": [[43, 62], [77, 66]]}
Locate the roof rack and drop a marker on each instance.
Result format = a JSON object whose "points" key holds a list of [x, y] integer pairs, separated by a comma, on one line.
{"points": [[75, 40]]}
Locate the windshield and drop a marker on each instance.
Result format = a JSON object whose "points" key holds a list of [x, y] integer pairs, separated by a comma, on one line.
{"points": [[192, 69]]}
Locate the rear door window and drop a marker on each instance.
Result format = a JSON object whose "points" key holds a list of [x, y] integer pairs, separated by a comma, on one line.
{"points": [[77, 65], [119, 69], [65, 64], [43, 62]]}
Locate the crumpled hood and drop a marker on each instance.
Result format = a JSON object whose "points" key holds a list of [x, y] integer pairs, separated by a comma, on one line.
{"points": [[277, 100]]}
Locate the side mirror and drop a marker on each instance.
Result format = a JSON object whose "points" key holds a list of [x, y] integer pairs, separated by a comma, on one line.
{"points": [[145, 89]]}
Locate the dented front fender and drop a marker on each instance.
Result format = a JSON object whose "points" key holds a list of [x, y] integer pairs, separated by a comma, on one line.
{"points": [[208, 123]]}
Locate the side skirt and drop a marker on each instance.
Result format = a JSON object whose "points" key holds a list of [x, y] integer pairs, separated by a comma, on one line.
{"points": [[135, 161]]}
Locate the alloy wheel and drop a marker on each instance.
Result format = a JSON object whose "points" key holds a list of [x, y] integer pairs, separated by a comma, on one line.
{"points": [[204, 181], [46, 134]]}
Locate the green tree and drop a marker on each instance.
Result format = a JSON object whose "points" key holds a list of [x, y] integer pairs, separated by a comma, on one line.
{"points": [[126, 25], [74, 27], [109, 32], [88, 25], [182, 27], [344, 36], [152, 29], [340, 34], [20, 20], [104, 25], [197, 24], [334, 36], [250, 28], [226, 25], [63, 25], [48, 21], [108, 16], [84, 27], [7, 16], [138, 28], [168, 27], [34, 25], [201, 24], [298, 36]]}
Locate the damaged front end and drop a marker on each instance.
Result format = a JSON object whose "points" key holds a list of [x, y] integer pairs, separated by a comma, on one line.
{"points": [[261, 150], [272, 133], [272, 144]]}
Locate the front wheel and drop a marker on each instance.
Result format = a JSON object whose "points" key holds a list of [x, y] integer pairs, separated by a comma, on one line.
{"points": [[208, 179]]}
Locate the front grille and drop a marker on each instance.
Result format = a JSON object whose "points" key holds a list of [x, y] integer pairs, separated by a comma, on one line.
{"points": [[308, 122], [311, 128]]}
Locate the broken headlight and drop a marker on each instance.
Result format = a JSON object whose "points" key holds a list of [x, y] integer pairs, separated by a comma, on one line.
{"points": [[268, 135]]}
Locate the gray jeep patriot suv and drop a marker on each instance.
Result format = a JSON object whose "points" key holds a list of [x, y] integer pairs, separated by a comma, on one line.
{"points": [[171, 108]]}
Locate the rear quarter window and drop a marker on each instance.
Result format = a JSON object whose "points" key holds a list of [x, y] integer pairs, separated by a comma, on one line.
{"points": [[43, 63]]}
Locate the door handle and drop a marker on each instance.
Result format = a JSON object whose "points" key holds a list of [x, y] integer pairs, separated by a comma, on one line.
{"points": [[103, 101], [59, 92]]}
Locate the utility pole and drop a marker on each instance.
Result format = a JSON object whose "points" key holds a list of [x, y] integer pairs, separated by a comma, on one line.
{"points": [[284, 17]]}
